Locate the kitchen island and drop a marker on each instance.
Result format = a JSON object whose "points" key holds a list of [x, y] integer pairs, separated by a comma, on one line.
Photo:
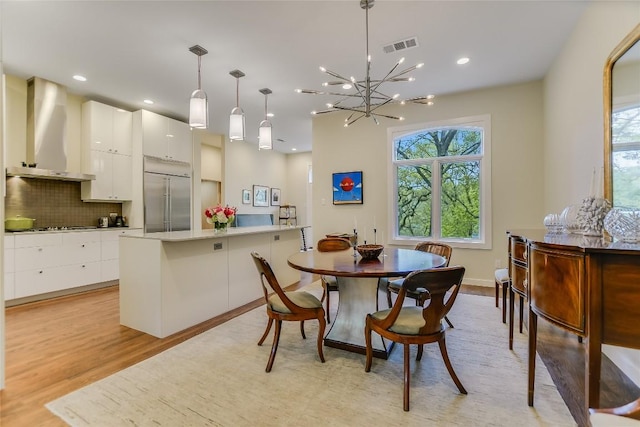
{"points": [[170, 281]]}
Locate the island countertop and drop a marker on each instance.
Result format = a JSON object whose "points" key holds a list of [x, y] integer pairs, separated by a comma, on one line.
{"points": [[186, 235]]}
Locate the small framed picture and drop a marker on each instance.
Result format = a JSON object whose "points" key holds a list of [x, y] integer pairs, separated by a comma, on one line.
{"points": [[347, 188], [246, 197], [260, 195], [275, 197]]}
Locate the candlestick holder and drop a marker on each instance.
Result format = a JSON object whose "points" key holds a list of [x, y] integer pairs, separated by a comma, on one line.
{"points": [[355, 242]]}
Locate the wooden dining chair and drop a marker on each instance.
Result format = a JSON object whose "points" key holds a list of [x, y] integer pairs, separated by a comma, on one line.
{"points": [[329, 283], [419, 295], [418, 325], [292, 306]]}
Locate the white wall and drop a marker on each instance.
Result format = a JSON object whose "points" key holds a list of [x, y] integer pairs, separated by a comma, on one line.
{"points": [[245, 166], [516, 126], [573, 107]]}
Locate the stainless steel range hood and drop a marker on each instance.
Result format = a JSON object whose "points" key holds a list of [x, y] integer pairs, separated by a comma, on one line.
{"points": [[26, 172], [47, 134]]}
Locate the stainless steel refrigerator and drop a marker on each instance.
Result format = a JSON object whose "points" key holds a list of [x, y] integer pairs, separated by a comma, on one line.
{"points": [[167, 195]]}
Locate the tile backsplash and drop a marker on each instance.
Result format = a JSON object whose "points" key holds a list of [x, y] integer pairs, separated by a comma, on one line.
{"points": [[53, 203]]}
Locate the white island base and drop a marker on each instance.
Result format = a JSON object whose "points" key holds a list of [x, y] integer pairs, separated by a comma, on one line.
{"points": [[172, 281]]}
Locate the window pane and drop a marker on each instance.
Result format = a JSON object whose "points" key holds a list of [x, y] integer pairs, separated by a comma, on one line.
{"points": [[414, 200], [626, 178], [439, 143], [460, 202], [625, 125]]}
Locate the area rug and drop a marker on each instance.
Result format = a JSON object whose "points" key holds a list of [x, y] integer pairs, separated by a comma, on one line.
{"points": [[218, 379]]}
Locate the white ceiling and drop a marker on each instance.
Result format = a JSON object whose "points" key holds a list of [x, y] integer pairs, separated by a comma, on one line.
{"points": [[133, 50]]}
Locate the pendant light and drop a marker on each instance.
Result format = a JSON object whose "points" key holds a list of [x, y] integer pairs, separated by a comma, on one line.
{"points": [[198, 105], [264, 136], [236, 119]]}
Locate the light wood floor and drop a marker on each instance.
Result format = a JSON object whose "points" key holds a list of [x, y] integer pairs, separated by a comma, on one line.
{"points": [[57, 346]]}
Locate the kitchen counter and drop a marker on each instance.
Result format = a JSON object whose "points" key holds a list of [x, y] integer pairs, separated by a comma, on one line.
{"points": [[170, 281], [181, 236]]}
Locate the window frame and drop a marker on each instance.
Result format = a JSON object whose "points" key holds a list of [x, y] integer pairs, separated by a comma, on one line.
{"points": [[484, 240]]}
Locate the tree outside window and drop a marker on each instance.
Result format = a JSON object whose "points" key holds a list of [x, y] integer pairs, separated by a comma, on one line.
{"points": [[625, 125], [438, 172]]}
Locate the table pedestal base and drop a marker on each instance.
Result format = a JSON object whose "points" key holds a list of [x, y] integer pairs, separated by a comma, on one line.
{"points": [[358, 297]]}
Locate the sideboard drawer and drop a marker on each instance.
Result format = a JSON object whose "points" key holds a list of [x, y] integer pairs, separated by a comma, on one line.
{"points": [[519, 251], [519, 279]]}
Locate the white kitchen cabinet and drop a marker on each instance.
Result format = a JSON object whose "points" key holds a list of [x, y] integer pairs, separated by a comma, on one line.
{"points": [[113, 178], [110, 252], [165, 138], [9, 270], [48, 262], [106, 128], [106, 152]]}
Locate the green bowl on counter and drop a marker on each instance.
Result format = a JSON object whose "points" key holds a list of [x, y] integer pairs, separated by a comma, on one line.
{"points": [[18, 223]]}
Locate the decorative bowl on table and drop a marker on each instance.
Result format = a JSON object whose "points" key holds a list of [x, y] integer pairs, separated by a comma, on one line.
{"points": [[369, 251]]}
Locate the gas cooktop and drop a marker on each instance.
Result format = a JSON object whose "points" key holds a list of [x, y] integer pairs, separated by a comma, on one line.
{"points": [[62, 228]]}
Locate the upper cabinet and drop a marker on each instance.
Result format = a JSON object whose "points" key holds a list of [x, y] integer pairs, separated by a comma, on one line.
{"points": [[106, 152], [166, 138], [106, 128]]}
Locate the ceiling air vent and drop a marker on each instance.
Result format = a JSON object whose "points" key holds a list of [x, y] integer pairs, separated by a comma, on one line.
{"points": [[401, 45]]}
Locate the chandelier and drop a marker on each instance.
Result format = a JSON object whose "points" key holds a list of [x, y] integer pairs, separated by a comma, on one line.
{"points": [[367, 94]]}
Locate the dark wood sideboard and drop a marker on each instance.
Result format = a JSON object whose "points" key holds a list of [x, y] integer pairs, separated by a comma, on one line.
{"points": [[585, 285]]}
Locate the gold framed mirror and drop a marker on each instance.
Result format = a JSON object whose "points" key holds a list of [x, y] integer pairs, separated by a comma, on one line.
{"points": [[622, 123]]}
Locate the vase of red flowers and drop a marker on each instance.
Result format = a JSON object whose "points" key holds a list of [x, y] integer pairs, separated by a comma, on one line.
{"points": [[221, 217]]}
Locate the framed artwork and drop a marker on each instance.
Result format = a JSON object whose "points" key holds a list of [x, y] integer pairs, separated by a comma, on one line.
{"points": [[260, 195], [246, 197], [275, 197], [347, 188]]}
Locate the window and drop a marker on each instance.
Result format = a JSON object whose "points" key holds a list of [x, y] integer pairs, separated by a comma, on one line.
{"points": [[441, 187]]}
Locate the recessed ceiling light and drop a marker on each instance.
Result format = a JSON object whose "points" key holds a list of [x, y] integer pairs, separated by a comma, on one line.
{"points": [[80, 78], [269, 114], [148, 101], [462, 61], [294, 149]]}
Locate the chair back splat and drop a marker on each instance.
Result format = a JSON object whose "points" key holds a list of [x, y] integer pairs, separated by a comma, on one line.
{"points": [[330, 244], [330, 283]]}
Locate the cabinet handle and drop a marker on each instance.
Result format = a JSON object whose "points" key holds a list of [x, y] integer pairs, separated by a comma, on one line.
{"points": [[39, 249], [525, 255], [40, 272], [525, 283], [83, 245], [83, 265]]}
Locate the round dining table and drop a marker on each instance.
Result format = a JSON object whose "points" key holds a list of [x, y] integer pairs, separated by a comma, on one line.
{"points": [[357, 280]]}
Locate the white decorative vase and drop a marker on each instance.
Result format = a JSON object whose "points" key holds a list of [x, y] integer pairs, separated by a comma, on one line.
{"points": [[591, 215]]}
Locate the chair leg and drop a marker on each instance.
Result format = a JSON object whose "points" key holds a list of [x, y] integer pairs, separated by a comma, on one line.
{"points": [[447, 362], [420, 348], [497, 293], [407, 377], [521, 311], [446, 319], [369, 348], [512, 297], [322, 325], [389, 298], [505, 285], [328, 305], [266, 332], [274, 346], [304, 337]]}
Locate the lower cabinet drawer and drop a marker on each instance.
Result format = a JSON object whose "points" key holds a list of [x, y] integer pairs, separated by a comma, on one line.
{"points": [[34, 282]]}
